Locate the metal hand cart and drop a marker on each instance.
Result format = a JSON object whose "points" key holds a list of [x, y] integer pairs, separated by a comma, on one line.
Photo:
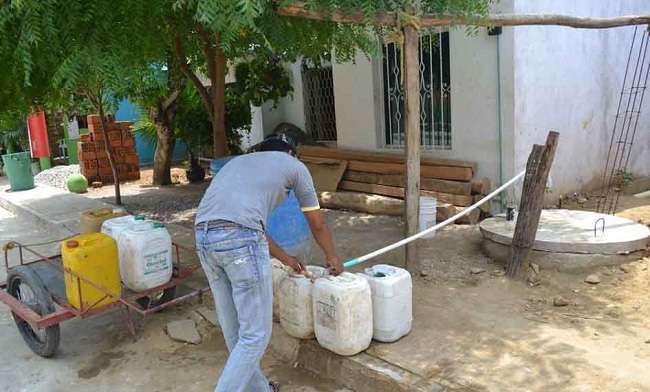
{"points": [[35, 293]]}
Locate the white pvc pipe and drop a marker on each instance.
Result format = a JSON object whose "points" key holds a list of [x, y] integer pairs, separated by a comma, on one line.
{"points": [[378, 252]]}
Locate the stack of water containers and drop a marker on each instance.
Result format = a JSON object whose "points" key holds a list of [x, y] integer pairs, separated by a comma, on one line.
{"points": [[344, 312], [144, 249]]}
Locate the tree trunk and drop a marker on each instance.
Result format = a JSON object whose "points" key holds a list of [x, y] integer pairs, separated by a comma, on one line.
{"points": [[219, 138], [538, 168], [162, 161], [109, 151]]}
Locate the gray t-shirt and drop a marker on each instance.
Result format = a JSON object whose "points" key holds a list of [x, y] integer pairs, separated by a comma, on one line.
{"points": [[249, 187]]}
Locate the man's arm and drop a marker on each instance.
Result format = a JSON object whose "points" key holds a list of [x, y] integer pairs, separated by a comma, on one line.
{"points": [[283, 256], [323, 237]]}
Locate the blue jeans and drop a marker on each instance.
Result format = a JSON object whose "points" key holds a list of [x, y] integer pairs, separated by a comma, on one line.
{"points": [[237, 264]]}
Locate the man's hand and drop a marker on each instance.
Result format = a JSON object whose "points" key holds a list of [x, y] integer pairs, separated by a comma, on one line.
{"points": [[336, 267], [293, 263], [323, 237]]}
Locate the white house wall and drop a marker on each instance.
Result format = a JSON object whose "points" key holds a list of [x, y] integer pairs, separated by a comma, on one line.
{"points": [[359, 116], [289, 109], [569, 80], [356, 103]]}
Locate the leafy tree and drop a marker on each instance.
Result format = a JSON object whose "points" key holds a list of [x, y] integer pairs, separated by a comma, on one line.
{"points": [[210, 34], [63, 47]]}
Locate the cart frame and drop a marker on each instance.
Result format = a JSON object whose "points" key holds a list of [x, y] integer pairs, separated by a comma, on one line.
{"points": [[127, 303]]}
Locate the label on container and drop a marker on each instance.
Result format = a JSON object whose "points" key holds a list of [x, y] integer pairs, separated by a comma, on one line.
{"points": [[326, 315], [156, 262]]}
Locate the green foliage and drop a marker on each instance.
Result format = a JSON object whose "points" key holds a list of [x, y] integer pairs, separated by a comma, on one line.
{"points": [[192, 124], [262, 79], [624, 178], [67, 47], [14, 139], [56, 50]]}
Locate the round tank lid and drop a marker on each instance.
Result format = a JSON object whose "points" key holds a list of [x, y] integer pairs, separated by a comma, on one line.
{"points": [[139, 217], [158, 225], [72, 244]]}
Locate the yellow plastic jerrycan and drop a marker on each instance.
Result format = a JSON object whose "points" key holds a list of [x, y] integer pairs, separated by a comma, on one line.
{"points": [[91, 221], [94, 257]]}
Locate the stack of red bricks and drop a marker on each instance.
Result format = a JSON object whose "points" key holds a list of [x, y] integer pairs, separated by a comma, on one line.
{"points": [[93, 158]]}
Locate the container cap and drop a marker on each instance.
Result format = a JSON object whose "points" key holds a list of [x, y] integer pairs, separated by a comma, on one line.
{"points": [[380, 271], [139, 217], [158, 225], [72, 244]]}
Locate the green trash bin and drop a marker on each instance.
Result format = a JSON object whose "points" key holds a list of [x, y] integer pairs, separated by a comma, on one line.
{"points": [[73, 159], [19, 170]]}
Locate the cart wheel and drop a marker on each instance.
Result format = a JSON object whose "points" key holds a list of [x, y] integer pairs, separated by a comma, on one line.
{"points": [[25, 285], [158, 298]]}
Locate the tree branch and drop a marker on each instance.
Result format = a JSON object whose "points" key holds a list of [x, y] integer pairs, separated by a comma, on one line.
{"points": [[298, 9], [167, 102], [208, 52], [191, 75]]}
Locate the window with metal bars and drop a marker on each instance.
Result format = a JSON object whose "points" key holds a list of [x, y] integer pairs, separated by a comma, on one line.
{"points": [[435, 92], [318, 92]]}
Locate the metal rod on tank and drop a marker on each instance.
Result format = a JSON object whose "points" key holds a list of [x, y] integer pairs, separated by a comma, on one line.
{"points": [[378, 252]]}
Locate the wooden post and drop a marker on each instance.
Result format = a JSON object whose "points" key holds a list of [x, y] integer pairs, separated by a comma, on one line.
{"points": [[532, 198], [412, 105]]}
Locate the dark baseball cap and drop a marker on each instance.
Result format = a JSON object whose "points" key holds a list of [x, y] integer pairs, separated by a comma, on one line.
{"points": [[280, 142]]}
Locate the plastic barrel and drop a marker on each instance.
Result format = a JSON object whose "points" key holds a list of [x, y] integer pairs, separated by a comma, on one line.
{"points": [[289, 228], [217, 164], [427, 214], [19, 170]]}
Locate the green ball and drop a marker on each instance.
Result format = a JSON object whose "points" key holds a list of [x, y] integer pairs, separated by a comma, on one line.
{"points": [[77, 183]]}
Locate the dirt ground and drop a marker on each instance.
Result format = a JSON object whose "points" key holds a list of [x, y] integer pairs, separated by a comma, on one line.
{"points": [[630, 207], [472, 325], [172, 204]]}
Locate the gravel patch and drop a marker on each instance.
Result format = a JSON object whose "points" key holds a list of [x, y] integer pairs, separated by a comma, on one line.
{"points": [[56, 176]]}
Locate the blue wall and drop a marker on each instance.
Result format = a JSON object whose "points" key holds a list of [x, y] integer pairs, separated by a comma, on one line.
{"points": [[130, 112]]}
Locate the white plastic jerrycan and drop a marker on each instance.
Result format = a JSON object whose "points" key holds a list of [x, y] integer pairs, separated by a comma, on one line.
{"points": [[279, 271], [113, 227], [392, 301], [296, 316], [145, 252], [343, 313]]}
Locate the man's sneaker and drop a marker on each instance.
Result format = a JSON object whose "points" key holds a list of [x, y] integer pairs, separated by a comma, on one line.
{"points": [[275, 387]]}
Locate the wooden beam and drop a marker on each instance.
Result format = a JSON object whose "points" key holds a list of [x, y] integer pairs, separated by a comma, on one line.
{"points": [[429, 184], [538, 167], [370, 156], [411, 68], [440, 172], [362, 202], [482, 186], [538, 20], [393, 191], [298, 9]]}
